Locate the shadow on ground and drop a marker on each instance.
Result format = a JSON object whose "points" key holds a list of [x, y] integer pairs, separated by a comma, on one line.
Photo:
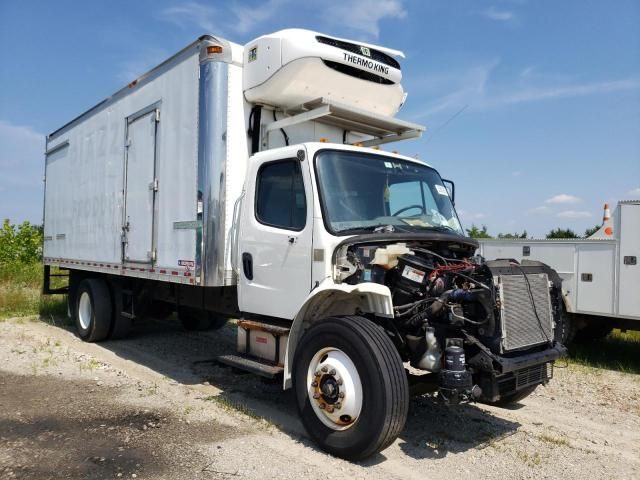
{"points": [[432, 429]]}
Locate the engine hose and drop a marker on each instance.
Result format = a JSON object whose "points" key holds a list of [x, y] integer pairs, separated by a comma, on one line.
{"points": [[457, 295]]}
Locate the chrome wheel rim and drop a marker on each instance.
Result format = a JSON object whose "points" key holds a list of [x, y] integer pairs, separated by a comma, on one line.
{"points": [[334, 388], [85, 310]]}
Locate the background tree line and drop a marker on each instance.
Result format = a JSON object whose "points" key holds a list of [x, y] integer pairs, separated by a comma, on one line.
{"points": [[481, 232]]}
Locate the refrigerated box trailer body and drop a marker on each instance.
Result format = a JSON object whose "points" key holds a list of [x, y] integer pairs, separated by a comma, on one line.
{"points": [[238, 181], [600, 274], [129, 182]]}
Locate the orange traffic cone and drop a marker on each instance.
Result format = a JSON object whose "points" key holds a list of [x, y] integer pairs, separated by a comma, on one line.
{"points": [[607, 213]]}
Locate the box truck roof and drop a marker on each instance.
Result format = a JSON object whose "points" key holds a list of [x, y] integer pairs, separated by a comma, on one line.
{"points": [[228, 48]]}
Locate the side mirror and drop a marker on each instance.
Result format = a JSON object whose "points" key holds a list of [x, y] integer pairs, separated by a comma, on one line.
{"points": [[451, 189]]}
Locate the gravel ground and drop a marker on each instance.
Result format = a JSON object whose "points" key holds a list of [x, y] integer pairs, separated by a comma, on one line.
{"points": [[156, 406]]}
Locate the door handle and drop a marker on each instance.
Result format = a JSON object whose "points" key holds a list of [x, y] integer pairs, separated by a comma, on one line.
{"points": [[247, 265], [292, 239]]}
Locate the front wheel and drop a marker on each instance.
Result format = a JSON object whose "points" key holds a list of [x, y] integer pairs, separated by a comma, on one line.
{"points": [[350, 386]]}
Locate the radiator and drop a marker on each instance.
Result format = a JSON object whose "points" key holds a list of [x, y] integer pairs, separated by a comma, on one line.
{"points": [[520, 327]]}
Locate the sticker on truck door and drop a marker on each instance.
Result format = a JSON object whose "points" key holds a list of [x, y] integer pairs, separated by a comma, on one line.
{"points": [[187, 263]]}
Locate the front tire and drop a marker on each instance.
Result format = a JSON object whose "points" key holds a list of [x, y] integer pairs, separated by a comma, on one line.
{"points": [[350, 387], [93, 310]]}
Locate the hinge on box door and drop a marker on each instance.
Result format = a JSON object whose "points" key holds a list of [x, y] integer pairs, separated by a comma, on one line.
{"points": [[154, 185], [127, 144], [157, 116], [153, 254]]}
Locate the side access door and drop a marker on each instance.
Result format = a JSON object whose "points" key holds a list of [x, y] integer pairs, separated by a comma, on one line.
{"points": [[275, 234], [140, 187]]}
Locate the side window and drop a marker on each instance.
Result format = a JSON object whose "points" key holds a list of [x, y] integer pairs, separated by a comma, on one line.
{"points": [[280, 198]]}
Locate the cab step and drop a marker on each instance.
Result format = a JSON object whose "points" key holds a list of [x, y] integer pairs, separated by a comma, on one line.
{"points": [[271, 328], [251, 364], [265, 341]]}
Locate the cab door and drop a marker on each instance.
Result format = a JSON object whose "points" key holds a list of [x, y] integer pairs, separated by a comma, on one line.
{"points": [[275, 234]]}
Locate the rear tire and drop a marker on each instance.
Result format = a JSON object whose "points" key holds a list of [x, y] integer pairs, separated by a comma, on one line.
{"points": [[93, 310], [367, 372], [196, 320]]}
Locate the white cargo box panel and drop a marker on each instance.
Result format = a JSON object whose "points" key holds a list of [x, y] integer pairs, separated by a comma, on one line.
{"points": [[292, 67], [129, 182], [628, 224]]}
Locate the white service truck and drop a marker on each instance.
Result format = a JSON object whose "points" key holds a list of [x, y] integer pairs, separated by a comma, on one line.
{"points": [[600, 274], [248, 182]]}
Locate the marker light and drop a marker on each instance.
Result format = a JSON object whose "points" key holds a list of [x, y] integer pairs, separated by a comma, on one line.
{"points": [[211, 49]]}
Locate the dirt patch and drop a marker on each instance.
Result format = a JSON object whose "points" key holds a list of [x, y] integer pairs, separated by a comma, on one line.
{"points": [[156, 405], [53, 427]]}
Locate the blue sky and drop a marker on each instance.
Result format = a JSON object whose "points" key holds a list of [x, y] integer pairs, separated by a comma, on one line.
{"points": [[532, 107]]}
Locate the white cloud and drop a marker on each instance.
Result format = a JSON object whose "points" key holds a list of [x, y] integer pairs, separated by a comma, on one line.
{"points": [[562, 199], [478, 87], [634, 192], [573, 214], [469, 216], [493, 13], [533, 94], [540, 210], [469, 86], [363, 15], [237, 18], [190, 14], [248, 17]]}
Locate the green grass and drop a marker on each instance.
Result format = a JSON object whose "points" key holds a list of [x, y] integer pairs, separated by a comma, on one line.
{"points": [[20, 293], [618, 351]]}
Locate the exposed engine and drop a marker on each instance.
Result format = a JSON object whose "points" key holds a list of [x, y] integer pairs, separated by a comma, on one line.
{"points": [[486, 329]]}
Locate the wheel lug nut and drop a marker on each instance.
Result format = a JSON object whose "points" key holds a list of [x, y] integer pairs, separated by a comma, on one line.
{"points": [[330, 409], [332, 372], [314, 384], [322, 406], [341, 394], [338, 405], [324, 369], [316, 396], [317, 374], [339, 381]]}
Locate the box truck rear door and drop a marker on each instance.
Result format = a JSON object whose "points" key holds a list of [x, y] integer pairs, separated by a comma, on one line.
{"points": [[140, 187]]}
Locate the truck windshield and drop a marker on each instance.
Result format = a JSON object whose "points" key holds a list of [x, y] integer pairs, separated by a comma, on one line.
{"points": [[363, 192]]}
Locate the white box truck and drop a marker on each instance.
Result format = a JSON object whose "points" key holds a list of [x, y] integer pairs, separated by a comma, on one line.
{"points": [[600, 274], [248, 182]]}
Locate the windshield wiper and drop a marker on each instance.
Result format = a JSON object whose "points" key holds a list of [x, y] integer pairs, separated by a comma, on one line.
{"points": [[444, 228], [381, 228]]}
